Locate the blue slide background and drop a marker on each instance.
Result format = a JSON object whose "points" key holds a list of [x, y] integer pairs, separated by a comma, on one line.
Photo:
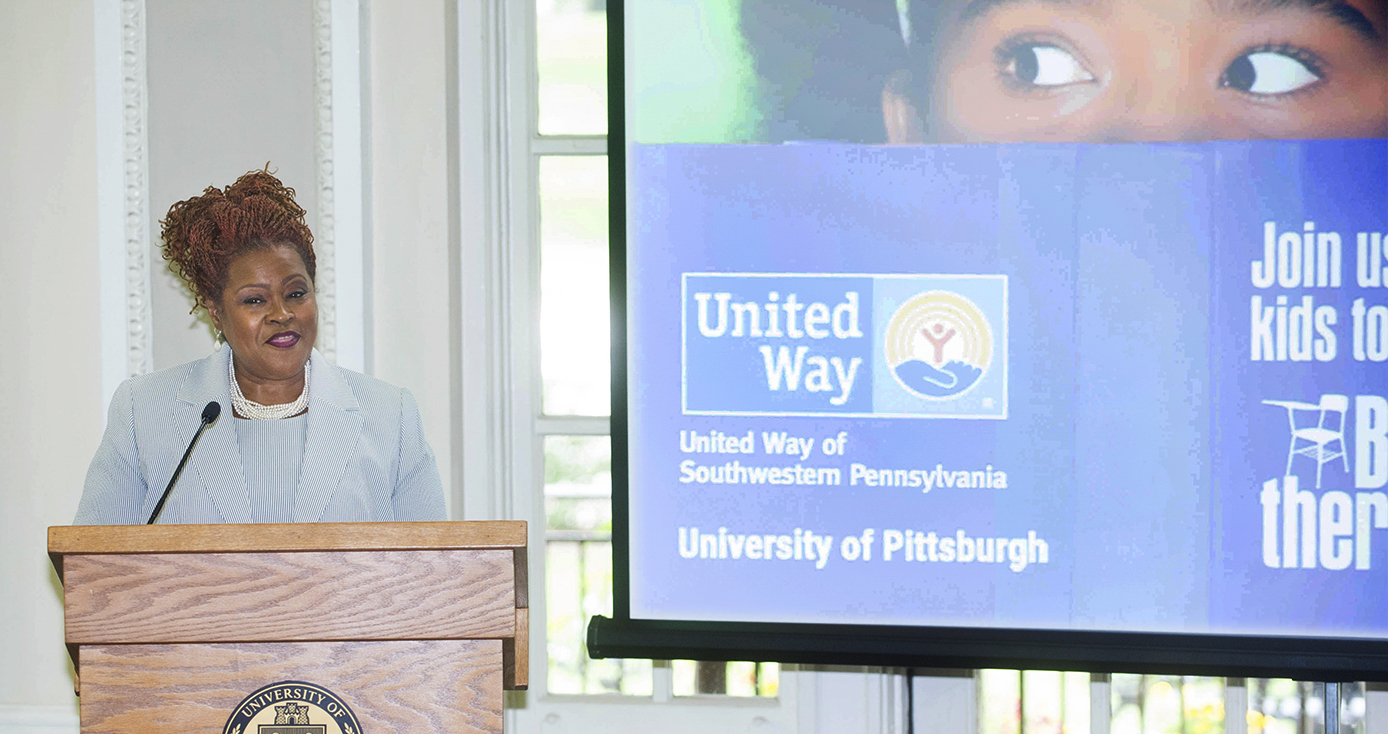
{"points": [[1340, 187], [1135, 441]]}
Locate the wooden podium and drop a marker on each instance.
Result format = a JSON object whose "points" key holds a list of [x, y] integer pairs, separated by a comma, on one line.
{"points": [[415, 627]]}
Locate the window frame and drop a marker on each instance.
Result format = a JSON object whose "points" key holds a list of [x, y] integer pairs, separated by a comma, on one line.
{"points": [[500, 431]]}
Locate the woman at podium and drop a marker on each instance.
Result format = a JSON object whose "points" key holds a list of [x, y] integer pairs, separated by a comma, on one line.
{"points": [[285, 435]]}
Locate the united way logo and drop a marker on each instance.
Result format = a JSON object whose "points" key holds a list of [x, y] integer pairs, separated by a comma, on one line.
{"points": [[886, 345], [292, 707], [938, 345]]}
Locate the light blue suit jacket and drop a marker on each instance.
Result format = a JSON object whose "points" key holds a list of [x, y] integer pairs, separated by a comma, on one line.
{"points": [[365, 457]]}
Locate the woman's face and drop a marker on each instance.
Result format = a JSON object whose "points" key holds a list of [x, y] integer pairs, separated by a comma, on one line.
{"points": [[270, 319], [1121, 70]]}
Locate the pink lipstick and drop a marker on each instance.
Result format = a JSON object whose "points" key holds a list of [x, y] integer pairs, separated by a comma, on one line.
{"points": [[284, 339]]}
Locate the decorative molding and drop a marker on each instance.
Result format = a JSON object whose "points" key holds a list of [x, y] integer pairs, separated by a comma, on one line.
{"points": [[324, 232], [134, 93]]}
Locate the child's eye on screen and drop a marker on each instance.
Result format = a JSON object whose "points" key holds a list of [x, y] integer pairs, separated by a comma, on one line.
{"points": [[1271, 71], [1039, 64]]}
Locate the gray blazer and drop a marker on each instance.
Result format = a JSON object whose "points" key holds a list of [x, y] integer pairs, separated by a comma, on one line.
{"points": [[365, 457]]}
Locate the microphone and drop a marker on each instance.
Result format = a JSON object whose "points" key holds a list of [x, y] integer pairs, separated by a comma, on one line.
{"points": [[209, 414]]}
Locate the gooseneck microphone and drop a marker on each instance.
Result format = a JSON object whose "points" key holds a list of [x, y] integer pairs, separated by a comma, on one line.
{"points": [[209, 414]]}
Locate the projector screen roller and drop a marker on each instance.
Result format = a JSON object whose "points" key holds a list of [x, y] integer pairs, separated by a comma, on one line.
{"points": [[1050, 319]]}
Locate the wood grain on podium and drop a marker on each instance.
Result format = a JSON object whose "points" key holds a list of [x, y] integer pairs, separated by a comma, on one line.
{"points": [[418, 626], [440, 686], [342, 536], [368, 595], [515, 652]]}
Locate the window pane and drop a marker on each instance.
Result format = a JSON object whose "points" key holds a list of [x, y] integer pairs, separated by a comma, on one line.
{"points": [[1126, 694], [1032, 702], [571, 48], [1279, 705], [999, 701], [573, 285], [717, 678], [1158, 704], [1075, 701], [578, 567], [1352, 705], [1043, 706], [1284, 706], [1202, 701]]}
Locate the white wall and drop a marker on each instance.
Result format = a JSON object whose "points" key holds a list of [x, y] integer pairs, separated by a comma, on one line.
{"points": [[211, 115], [413, 340], [50, 372], [230, 89]]}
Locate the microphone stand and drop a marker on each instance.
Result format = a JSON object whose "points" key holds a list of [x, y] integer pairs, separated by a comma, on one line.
{"points": [[209, 414]]}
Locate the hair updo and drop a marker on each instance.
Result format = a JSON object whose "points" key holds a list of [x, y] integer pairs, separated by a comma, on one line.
{"points": [[204, 234]]}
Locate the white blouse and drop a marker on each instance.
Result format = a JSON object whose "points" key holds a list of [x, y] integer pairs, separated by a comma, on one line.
{"points": [[272, 455]]}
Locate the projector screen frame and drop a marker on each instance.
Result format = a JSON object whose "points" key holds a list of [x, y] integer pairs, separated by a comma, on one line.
{"points": [[1329, 659], [1096, 651]]}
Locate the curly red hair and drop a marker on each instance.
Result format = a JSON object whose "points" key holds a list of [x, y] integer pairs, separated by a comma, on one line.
{"points": [[204, 234]]}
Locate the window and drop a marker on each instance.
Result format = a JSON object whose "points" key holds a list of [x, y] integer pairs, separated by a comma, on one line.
{"points": [[567, 148], [1048, 702]]}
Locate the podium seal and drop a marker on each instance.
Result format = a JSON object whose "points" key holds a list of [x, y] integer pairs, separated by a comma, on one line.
{"points": [[292, 707]]}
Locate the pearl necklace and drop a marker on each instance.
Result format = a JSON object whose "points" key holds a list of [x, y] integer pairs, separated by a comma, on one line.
{"points": [[256, 411]]}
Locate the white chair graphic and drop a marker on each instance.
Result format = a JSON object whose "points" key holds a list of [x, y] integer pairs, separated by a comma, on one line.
{"points": [[1321, 441]]}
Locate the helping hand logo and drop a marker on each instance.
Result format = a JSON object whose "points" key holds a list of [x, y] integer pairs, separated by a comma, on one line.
{"points": [[943, 339], [938, 345]]}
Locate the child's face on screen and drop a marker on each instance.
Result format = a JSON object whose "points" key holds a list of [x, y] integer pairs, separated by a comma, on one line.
{"points": [[1118, 70]]}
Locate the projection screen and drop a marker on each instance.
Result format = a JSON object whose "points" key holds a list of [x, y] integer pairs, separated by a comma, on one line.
{"points": [[1001, 332]]}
